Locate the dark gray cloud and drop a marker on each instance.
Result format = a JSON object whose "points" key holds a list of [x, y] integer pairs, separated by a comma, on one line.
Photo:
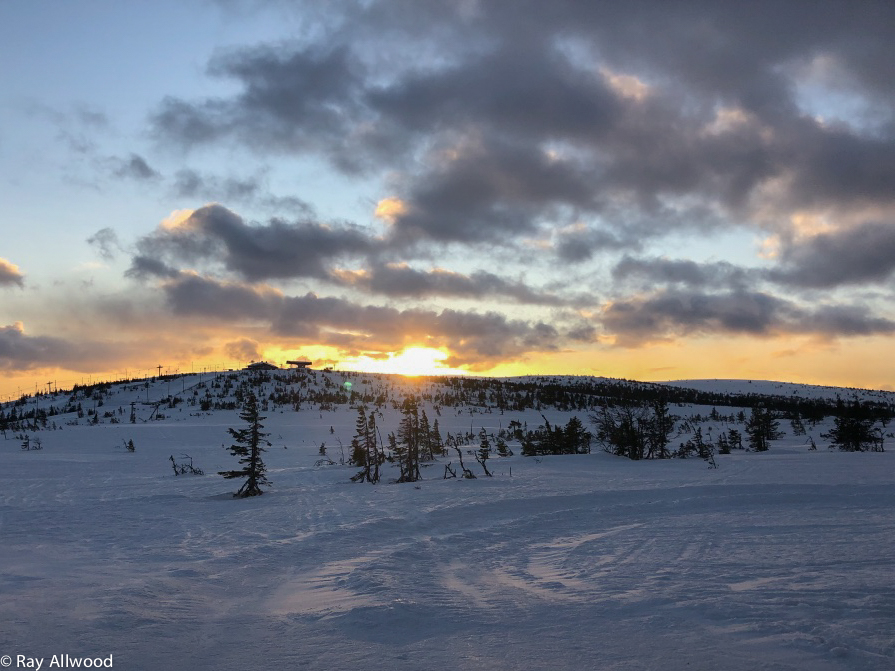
{"points": [[528, 89], [845, 320], [144, 267], [855, 256], [492, 191], [190, 295], [292, 101], [662, 271], [216, 236], [537, 105], [834, 167], [586, 333], [278, 249], [400, 280], [21, 352], [674, 313], [576, 246], [10, 274]]}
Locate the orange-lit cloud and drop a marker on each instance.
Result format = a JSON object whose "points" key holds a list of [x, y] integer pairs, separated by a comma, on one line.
{"points": [[10, 274], [389, 209], [627, 86], [178, 219]]}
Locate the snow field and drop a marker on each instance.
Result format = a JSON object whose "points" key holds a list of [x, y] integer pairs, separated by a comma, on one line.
{"points": [[781, 560]]}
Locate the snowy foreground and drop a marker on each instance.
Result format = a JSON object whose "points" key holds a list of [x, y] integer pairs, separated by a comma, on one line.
{"points": [[781, 560]]}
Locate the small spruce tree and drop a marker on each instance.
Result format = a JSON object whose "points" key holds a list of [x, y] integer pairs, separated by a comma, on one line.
{"points": [[502, 448], [734, 439], [435, 440], [762, 428], [408, 454], [364, 451], [853, 428], [250, 443], [484, 451]]}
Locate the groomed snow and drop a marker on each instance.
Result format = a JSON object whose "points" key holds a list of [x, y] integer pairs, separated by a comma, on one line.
{"points": [[781, 560]]}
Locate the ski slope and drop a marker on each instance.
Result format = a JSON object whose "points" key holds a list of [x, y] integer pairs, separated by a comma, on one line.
{"points": [[781, 560]]}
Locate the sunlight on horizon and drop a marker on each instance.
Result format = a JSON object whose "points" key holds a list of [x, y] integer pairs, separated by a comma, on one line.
{"points": [[411, 361]]}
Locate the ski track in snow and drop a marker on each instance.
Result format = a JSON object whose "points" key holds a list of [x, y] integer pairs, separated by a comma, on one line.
{"points": [[778, 561]]}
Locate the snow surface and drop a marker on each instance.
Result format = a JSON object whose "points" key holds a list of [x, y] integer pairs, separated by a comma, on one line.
{"points": [[781, 560]]}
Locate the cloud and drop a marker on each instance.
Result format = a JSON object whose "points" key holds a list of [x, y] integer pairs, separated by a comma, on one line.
{"points": [[589, 133], [243, 349], [291, 100], [76, 127], [491, 191], [389, 209], [278, 249], [580, 243], [501, 122], [476, 336], [133, 167], [834, 166], [855, 256], [526, 89], [216, 236], [10, 274], [672, 313], [190, 183], [190, 294], [22, 352], [106, 243], [144, 267], [470, 335], [400, 280], [683, 272]]}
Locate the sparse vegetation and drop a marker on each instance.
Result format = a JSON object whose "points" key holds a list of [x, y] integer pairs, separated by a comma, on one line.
{"points": [[185, 467]]}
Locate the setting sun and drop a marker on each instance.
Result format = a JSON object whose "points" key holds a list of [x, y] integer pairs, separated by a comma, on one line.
{"points": [[410, 361]]}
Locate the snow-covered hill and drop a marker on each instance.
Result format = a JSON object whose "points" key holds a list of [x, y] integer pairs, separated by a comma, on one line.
{"points": [[787, 389], [776, 560]]}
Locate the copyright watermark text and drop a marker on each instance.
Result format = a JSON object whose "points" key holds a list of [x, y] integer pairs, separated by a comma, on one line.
{"points": [[55, 662]]}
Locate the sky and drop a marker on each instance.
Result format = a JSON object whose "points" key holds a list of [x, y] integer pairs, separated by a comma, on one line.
{"points": [[649, 190]]}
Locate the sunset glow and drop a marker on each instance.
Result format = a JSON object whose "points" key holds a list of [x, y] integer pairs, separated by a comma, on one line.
{"points": [[412, 361], [422, 188]]}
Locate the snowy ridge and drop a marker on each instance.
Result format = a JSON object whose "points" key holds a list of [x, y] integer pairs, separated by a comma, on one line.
{"points": [[787, 389]]}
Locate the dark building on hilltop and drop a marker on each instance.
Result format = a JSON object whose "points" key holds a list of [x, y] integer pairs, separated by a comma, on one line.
{"points": [[261, 365]]}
